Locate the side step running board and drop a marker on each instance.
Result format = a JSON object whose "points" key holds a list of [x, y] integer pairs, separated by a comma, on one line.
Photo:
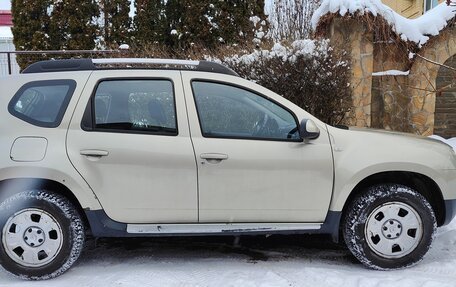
{"points": [[214, 228]]}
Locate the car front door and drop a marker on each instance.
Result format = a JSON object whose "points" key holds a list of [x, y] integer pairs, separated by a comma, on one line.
{"points": [[133, 146], [252, 164]]}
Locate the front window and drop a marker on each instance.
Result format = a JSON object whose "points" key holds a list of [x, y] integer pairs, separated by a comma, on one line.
{"points": [[230, 112]]}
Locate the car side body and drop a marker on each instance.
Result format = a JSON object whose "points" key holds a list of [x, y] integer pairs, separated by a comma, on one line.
{"points": [[183, 180]]}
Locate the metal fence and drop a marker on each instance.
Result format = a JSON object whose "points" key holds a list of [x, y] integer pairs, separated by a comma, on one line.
{"points": [[9, 59], [6, 44]]}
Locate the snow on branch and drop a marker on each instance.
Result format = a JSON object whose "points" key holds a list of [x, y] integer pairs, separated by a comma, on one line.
{"points": [[436, 63], [434, 90]]}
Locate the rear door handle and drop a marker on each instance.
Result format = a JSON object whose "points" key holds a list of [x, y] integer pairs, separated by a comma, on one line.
{"points": [[214, 157], [94, 152]]}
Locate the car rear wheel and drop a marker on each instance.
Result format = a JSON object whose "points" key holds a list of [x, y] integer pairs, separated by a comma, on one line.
{"points": [[42, 234], [389, 226]]}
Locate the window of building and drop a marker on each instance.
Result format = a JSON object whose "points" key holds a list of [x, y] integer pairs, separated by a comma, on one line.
{"points": [[429, 4]]}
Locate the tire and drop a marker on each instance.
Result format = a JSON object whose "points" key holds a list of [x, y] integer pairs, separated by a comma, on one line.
{"points": [[42, 234], [389, 226]]}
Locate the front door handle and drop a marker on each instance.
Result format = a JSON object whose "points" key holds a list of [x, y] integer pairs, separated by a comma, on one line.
{"points": [[94, 153], [214, 157]]}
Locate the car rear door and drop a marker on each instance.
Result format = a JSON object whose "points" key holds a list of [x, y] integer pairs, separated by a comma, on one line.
{"points": [[252, 165], [129, 139]]}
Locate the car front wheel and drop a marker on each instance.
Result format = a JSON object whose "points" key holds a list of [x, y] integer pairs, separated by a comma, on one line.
{"points": [[42, 234], [389, 226]]}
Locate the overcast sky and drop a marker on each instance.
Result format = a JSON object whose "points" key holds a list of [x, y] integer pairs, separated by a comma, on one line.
{"points": [[5, 4]]}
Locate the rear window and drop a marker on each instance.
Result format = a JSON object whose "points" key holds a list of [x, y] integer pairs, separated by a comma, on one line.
{"points": [[135, 106], [42, 103]]}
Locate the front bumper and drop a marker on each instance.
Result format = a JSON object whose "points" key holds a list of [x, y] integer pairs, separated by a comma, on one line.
{"points": [[450, 211]]}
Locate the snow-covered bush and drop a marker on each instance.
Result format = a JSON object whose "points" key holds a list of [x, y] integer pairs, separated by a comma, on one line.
{"points": [[310, 73]]}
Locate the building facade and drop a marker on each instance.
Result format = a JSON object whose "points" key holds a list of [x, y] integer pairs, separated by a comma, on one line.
{"points": [[399, 84], [411, 8]]}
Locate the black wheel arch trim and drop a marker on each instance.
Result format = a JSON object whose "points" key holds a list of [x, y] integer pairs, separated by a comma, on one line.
{"points": [[103, 226], [450, 211]]}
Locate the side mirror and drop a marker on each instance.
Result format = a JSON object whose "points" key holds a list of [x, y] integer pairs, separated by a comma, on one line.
{"points": [[308, 130]]}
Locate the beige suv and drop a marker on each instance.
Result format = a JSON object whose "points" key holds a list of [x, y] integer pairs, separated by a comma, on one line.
{"points": [[148, 147]]}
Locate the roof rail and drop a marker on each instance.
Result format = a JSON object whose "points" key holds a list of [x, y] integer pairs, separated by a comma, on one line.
{"points": [[120, 63]]}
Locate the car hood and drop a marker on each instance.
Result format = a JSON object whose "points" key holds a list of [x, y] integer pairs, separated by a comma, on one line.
{"points": [[390, 146], [398, 134]]}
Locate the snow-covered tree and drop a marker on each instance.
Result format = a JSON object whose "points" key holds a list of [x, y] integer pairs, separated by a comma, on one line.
{"points": [[73, 24], [190, 22], [177, 24], [241, 21], [31, 24], [115, 18], [149, 24], [211, 23], [31, 28]]}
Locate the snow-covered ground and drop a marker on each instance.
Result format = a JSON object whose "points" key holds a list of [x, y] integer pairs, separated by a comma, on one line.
{"points": [[259, 261]]}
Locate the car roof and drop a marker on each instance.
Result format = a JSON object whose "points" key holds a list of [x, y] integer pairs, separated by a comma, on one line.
{"points": [[126, 63]]}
